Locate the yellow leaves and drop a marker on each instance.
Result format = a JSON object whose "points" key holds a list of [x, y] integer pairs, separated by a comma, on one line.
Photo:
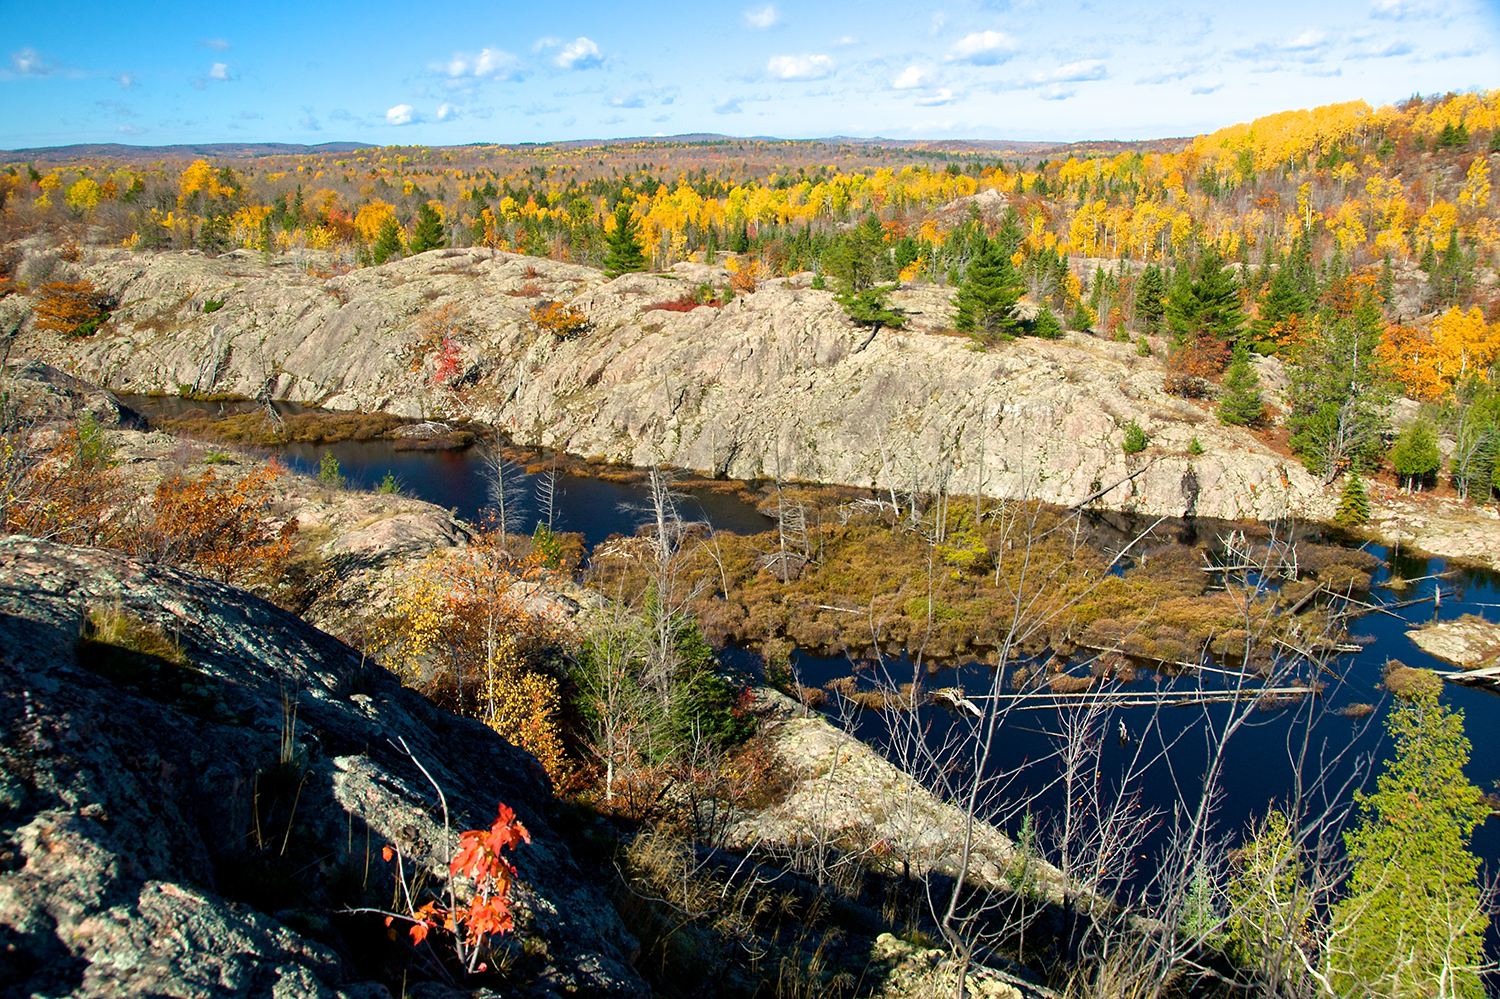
{"points": [[1346, 225], [1429, 363], [1436, 224], [197, 177], [1475, 196], [371, 218], [83, 195]]}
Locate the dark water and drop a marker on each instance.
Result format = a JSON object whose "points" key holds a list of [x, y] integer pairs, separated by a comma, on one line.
{"points": [[455, 479], [1259, 769]]}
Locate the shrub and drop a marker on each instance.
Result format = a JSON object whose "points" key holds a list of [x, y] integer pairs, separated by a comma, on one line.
{"points": [[328, 472], [220, 527], [1195, 446], [1354, 504], [562, 321], [1135, 438], [213, 305], [1184, 385], [71, 308]]}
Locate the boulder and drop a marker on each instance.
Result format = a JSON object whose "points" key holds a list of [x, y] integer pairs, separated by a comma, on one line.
{"points": [[141, 849]]}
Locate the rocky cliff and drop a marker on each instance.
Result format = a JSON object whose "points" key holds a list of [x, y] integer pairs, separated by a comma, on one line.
{"points": [[775, 382], [194, 786]]}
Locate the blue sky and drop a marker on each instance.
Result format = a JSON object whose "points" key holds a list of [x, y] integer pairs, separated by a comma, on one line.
{"points": [[449, 71]]}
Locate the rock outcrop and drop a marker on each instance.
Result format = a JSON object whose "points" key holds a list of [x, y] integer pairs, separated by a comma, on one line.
{"points": [[144, 846], [776, 382]]}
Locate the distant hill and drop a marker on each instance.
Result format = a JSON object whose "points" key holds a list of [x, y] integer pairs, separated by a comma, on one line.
{"points": [[205, 150], [250, 150]]}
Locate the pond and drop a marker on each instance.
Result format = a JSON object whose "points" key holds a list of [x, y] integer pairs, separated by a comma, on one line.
{"points": [[1258, 771]]}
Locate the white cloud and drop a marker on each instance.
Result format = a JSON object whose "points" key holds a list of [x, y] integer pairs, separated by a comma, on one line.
{"points": [[799, 67], [339, 114], [220, 71], [130, 130], [1205, 89], [1056, 93], [912, 76], [937, 99], [983, 48], [613, 119], [1309, 39], [217, 44], [1398, 10], [580, 53], [125, 80], [30, 62], [763, 17], [447, 112], [486, 64], [536, 109], [1386, 51], [311, 124], [627, 101], [730, 105], [846, 40], [1073, 72], [401, 114]]}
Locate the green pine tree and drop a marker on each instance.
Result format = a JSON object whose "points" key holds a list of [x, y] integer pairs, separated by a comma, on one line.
{"points": [[387, 242], [1278, 304], [1150, 296], [989, 292], [1205, 303], [1046, 325], [1412, 918], [624, 254], [1241, 404], [1416, 456], [1354, 504], [428, 233], [1135, 438]]}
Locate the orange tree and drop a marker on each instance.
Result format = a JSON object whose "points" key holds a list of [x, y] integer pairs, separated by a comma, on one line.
{"points": [[221, 527], [71, 308]]}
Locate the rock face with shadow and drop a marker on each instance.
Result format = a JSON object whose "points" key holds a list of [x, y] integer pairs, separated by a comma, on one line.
{"points": [[190, 811], [778, 381]]}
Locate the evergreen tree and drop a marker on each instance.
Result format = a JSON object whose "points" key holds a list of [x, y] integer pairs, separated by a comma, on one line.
{"points": [[1241, 404], [624, 254], [387, 242], [1046, 325], [1354, 504], [1279, 304], [1150, 296], [1338, 391], [1413, 918], [428, 233], [858, 260], [1428, 262], [1416, 456], [1205, 304], [989, 292]]}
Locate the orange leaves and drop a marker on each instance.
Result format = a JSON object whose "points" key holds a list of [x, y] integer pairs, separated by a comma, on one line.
{"points": [[71, 308], [488, 912], [560, 320], [223, 528], [479, 849]]}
